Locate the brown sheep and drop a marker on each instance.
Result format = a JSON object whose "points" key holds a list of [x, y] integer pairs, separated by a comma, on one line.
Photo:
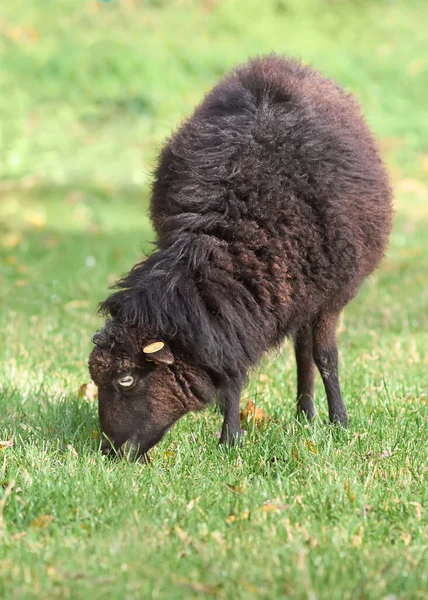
{"points": [[271, 206]]}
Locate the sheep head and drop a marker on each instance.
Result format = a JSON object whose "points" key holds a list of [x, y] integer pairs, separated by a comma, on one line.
{"points": [[143, 388]]}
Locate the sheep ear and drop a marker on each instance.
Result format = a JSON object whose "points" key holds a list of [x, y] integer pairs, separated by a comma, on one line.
{"points": [[158, 352]]}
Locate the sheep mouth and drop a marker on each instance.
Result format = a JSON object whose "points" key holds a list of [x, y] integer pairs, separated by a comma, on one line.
{"points": [[133, 452], [129, 450]]}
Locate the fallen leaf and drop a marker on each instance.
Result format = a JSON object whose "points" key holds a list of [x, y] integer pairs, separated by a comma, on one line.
{"points": [[237, 489], [6, 444], [88, 391], [253, 413], [310, 446], [42, 521]]}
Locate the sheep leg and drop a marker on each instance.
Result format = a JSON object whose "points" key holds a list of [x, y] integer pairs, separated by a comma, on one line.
{"points": [[305, 372], [230, 397], [326, 358]]}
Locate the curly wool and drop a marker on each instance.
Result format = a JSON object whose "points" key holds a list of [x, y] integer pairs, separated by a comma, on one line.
{"points": [[271, 205]]}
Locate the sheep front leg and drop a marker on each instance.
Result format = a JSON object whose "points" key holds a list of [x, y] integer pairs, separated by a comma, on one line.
{"points": [[305, 372], [230, 397], [326, 358]]}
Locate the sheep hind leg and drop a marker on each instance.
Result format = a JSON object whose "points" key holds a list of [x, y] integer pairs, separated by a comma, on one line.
{"points": [[231, 432], [305, 372], [326, 358]]}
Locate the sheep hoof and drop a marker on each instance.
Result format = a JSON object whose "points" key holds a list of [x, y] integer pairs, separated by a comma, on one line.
{"points": [[305, 415], [341, 420], [234, 439]]}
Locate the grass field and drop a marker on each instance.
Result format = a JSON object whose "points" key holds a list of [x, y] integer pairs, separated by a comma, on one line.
{"points": [[89, 90]]}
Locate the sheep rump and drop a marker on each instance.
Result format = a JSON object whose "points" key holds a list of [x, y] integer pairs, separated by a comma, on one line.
{"points": [[271, 205]]}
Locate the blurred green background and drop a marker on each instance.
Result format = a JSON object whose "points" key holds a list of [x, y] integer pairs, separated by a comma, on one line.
{"points": [[89, 91], [91, 88]]}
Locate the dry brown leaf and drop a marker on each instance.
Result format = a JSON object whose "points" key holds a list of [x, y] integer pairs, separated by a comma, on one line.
{"points": [[6, 444], [42, 521], [253, 413], [237, 489], [310, 446], [88, 391]]}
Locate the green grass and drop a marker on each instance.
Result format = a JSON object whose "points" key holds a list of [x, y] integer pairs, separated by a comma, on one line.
{"points": [[89, 90]]}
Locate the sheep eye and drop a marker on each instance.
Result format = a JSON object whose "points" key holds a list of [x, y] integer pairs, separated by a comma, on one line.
{"points": [[126, 381]]}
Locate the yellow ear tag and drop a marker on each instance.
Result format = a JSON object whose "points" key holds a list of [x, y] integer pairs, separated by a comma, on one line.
{"points": [[153, 347]]}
